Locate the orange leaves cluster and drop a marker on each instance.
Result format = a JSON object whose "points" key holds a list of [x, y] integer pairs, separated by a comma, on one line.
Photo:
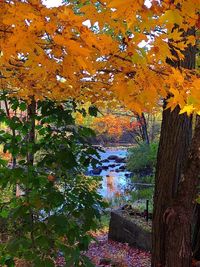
{"points": [[114, 125], [185, 91], [151, 34], [44, 52]]}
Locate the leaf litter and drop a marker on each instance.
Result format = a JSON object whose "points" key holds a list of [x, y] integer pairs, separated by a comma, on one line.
{"points": [[109, 253]]}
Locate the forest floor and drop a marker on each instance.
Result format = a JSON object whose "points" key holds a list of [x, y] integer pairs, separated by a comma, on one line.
{"points": [[109, 253]]}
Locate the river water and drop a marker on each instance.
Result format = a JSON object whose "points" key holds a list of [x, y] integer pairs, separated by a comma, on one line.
{"points": [[114, 180]]}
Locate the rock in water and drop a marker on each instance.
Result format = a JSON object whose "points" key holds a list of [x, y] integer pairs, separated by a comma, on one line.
{"points": [[113, 157], [96, 171]]}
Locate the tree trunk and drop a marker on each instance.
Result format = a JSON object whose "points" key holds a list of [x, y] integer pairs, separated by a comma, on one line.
{"points": [[172, 154], [143, 128], [31, 111], [178, 217], [153, 120], [173, 147], [196, 233]]}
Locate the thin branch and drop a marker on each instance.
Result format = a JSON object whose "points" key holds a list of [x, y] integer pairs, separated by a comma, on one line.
{"points": [[122, 58], [159, 71], [6, 31]]}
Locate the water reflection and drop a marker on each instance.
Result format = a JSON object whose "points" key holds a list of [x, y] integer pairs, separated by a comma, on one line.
{"points": [[114, 179]]}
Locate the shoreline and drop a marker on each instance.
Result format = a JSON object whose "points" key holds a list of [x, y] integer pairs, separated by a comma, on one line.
{"points": [[115, 146]]}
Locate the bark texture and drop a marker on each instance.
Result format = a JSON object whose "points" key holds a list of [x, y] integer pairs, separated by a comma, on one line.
{"points": [[173, 148], [172, 200], [143, 128], [196, 233], [31, 111], [178, 218]]}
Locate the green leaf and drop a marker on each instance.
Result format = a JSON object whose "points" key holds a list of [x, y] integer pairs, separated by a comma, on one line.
{"points": [[4, 213], [8, 261], [87, 261], [22, 106], [93, 111], [43, 242]]}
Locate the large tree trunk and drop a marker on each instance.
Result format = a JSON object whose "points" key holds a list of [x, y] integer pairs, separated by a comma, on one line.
{"points": [[196, 232], [178, 217], [174, 143], [172, 154]]}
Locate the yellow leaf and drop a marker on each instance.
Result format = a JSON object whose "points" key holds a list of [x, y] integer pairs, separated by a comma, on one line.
{"points": [[172, 16], [177, 76], [120, 3], [77, 49], [189, 109], [81, 62], [191, 40]]}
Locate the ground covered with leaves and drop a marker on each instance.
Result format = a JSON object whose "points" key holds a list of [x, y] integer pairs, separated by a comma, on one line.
{"points": [[109, 253]]}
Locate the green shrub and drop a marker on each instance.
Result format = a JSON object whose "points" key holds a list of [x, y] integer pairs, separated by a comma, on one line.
{"points": [[142, 157], [145, 193], [142, 162], [59, 204], [148, 179]]}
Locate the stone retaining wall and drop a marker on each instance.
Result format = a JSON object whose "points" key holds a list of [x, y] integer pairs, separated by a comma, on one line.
{"points": [[125, 230]]}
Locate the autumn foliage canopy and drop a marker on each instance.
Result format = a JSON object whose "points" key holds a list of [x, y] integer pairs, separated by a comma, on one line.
{"points": [[121, 52]]}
